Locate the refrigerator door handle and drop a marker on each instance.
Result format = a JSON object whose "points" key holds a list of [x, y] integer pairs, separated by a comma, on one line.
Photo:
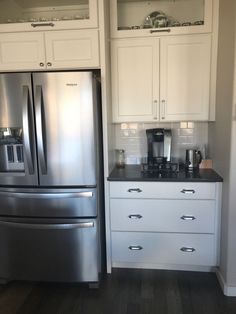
{"points": [[26, 127], [40, 129], [56, 226], [86, 194]]}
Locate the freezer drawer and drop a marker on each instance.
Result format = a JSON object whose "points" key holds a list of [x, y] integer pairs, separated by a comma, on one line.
{"points": [[49, 250], [48, 203]]}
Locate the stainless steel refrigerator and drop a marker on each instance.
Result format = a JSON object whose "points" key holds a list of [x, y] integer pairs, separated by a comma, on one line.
{"points": [[51, 201]]}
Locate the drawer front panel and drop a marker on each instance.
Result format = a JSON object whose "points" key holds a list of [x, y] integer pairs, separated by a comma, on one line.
{"points": [[157, 248], [163, 215], [163, 190]]}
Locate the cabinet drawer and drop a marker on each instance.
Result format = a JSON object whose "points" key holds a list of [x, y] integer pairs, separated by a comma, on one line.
{"points": [[195, 216], [163, 190], [157, 248]]}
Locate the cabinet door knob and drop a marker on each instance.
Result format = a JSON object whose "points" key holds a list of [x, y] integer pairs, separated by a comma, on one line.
{"points": [[187, 249], [41, 64], [49, 64]]}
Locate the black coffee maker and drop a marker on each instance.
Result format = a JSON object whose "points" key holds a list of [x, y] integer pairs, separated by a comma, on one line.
{"points": [[159, 145]]}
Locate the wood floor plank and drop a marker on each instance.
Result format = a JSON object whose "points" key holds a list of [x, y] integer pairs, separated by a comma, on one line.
{"points": [[126, 291], [13, 295]]}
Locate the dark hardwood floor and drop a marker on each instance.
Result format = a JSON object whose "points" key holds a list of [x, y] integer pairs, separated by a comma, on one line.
{"points": [[126, 291]]}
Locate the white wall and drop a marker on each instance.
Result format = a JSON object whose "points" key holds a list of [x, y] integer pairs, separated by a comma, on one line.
{"points": [[231, 273], [220, 137]]}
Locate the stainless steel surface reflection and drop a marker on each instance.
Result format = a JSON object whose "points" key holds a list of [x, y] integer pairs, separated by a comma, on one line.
{"points": [[65, 128], [48, 202], [30, 252], [51, 177]]}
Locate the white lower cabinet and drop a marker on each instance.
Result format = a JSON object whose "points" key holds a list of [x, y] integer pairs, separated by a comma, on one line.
{"points": [[163, 248], [163, 215], [172, 225], [49, 50]]}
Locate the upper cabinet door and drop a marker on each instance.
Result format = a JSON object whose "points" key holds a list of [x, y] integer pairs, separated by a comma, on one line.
{"points": [[32, 15], [139, 18], [135, 80], [185, 78], [22, 51], [74, 49]]}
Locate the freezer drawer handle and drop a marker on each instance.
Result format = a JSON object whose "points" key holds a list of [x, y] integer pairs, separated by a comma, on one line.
{"points": [[135, 247], [187, 249], [135, 216], [79, 225], [47, 195], [185, 191], [135, 190], [27, 127], [188, 217]]}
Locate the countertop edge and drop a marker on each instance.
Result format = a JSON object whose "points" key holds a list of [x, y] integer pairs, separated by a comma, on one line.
{"points": [[133, 173]]}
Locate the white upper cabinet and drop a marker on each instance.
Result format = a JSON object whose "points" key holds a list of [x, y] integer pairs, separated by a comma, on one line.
{"points": [[185, 78], [137, 18], [22, 51], [33, 15], [135, 80], [181, 71], [74, 49]]}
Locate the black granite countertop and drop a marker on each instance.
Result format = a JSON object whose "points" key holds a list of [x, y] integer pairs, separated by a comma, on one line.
{"points": [[133, 173]]}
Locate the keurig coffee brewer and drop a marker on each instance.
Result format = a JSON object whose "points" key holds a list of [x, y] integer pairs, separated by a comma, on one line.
{"points": [[159, 145]]}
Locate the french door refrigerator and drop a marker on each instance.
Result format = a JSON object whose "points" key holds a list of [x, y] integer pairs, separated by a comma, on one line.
{"points": [[50, 177]]}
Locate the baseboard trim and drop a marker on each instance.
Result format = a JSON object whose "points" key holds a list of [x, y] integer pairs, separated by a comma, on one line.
{"points": [[229, 291], [163, 266]]}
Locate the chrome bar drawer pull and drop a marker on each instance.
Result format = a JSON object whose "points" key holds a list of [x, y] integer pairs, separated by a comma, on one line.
{"points": [[42, 24], [135, 247], [135, 190], [135, 216], [185, 191], [187, 249], [187, 217], [160, 31]]}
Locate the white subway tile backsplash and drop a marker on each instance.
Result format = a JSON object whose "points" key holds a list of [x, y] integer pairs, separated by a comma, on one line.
{"points": [[183, 125], [132, 138]]}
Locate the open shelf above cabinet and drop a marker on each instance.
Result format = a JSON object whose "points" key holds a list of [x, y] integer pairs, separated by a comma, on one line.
{"points": [[130, 18], [28, 15]]}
